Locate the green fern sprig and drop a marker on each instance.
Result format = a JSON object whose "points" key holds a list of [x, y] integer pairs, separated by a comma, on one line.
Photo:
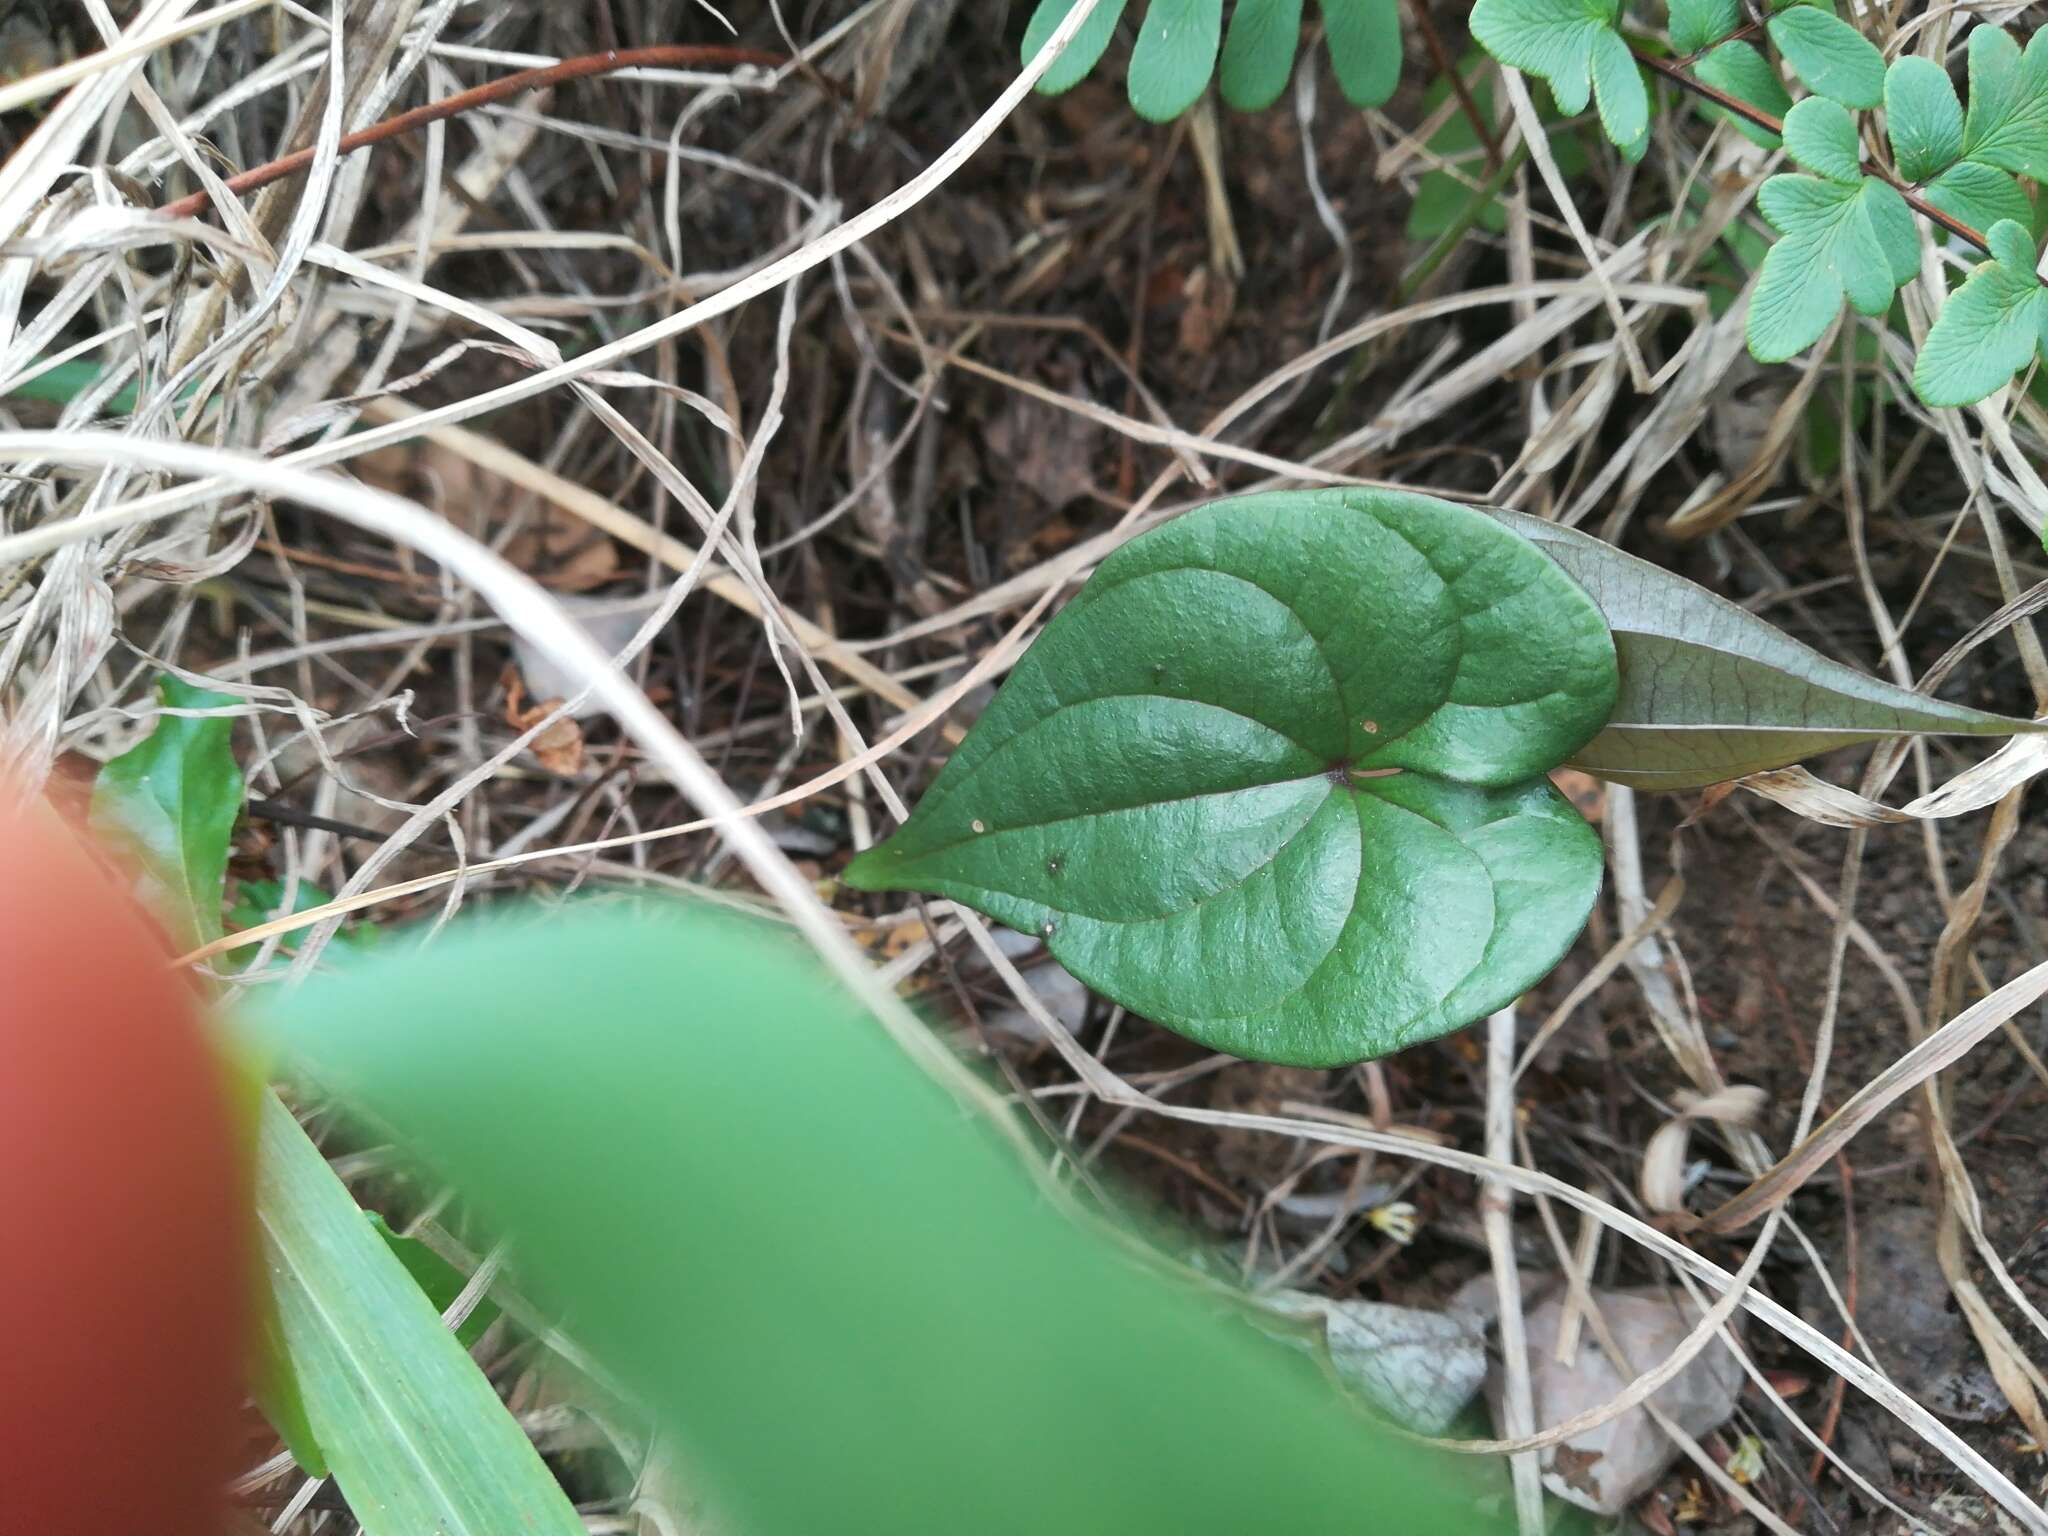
{"points": [[1181, 45], [1845, 227]]}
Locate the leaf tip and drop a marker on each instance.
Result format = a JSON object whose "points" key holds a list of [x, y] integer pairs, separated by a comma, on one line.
{"points": [[872, 870]]}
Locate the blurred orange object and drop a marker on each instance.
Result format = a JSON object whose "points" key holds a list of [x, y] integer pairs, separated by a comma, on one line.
{"points": [[125, 1233]]}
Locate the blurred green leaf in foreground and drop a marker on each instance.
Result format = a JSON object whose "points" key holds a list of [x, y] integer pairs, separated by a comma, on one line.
{"points": [[850, 1302]]}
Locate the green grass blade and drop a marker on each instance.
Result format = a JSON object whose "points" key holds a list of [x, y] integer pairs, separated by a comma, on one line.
{"points": [[173, 798], [410, 1429]]}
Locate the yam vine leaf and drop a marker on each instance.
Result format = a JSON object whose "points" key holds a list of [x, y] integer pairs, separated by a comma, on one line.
{"points": [[1181, 44], [1843, 235], [1576, 46], [1990, 328], [1710, 692], [1274, 778]]}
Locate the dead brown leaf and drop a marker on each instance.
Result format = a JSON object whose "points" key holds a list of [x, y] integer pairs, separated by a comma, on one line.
{"points": [[559, 748], [1209, 299], [1710, 797], [1575, 1467], [1050, 450], [564, 553], [555, 547], [1584, 791]]}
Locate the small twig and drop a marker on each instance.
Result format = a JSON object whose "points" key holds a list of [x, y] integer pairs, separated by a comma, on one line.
{"points": [[1678, 76], [1832, 1419], [291, 816], [1447, 66], [669, 56]]}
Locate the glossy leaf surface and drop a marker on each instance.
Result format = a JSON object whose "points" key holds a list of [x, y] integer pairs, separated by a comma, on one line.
{"points": [[1711, 692], [1273, 778]]}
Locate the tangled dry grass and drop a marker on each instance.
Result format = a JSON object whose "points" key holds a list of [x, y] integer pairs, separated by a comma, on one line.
{"points": [[803, 393]]}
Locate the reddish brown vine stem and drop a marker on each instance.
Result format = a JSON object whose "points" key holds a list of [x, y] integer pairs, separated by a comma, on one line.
{"points": [[1685, 80], [1747, 30], [673, 56], [1447, 66]]}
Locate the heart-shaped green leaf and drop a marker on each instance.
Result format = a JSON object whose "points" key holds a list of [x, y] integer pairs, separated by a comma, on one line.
{"points": [[1710, 692], [1272, 778]]}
